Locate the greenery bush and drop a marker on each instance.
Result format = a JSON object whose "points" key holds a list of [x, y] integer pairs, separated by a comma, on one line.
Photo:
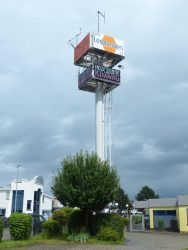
{"points": [[161, 224], [113, 221], [60, 216], [75, 222], [126, 221], [137, 219], [68, 211], [78, 237], [108, 234], [20, 226], [52, 228], [1, 229], [116, 222]]}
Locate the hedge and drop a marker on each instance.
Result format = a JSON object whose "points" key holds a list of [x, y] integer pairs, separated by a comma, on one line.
{"points": [[20, 226], [1, 229]]}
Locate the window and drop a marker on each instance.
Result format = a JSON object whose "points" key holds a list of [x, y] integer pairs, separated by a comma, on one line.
{"points": [[17, 201], [36, 202], [29, 204], [164, 213], [2, 211]]}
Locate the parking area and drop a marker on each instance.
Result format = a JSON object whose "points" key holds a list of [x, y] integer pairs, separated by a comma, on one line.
{"points": [[6, 234], [153, 240]]}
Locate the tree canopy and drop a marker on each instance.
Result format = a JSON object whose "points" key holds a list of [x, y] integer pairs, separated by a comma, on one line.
{"points": [[122, 199], [146, 193], [84, 181]]}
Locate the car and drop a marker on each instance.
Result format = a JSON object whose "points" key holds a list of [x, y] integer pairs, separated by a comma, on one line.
{"points": [[37, 222]]}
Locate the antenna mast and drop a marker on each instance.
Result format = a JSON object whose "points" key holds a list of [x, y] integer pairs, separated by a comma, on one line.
{"points": [[103, 15], [74, 38]]}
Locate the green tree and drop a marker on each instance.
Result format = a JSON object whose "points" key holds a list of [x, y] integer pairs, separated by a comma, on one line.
{"points": [[146, 193], [122, 199], [85, 181]]}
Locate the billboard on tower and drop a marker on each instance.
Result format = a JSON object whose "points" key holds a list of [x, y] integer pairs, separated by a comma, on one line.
{"points": [[103, 46], [94, 75], [82, 48], [107, 43]]}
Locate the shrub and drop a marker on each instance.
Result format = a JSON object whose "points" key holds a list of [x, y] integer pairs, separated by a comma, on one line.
{"points": [[137, 219], [1, 229], [63, 215], [161, 224], [108, 234], [97, 221], [76, 221], [79, 237], [20, 226], [60, 216], [52, 228], [68, 211], [126, 221], [116, 222], [113, 221]]}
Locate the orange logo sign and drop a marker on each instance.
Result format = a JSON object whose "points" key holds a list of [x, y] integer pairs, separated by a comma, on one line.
{"points": [[109, 44]]}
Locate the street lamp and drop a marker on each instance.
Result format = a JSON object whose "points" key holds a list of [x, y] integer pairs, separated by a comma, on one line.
{"points": [[134, 211], [127, 206], [15, 204]]}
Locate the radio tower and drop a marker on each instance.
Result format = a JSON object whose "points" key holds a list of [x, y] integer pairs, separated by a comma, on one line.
{"points": [[96, 55]]}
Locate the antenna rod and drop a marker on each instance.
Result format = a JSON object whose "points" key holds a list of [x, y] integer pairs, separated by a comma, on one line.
{"points": [[103, 15], [74, 38]]}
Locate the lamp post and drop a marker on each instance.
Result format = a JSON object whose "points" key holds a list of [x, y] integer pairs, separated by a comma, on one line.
{"points": [[134, 212], [15, 204], [127, 206]]}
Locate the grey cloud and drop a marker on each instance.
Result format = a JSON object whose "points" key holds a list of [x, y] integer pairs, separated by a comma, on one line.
{"points": [[43, 116]]}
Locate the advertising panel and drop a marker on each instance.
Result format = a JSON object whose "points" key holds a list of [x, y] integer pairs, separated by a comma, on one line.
{"points": [[107, 43], [85, 76], [106, 74], [82, 48], [96, 73]]}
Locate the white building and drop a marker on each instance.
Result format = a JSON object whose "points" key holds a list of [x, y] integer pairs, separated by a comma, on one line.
{"points": [[25, 197]]}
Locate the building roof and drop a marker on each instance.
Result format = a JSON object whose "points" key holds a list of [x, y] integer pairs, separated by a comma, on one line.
{"points": [[39, 180], [48, 196], [5, 189], [141, 204], [180, 200], [163, 202]]}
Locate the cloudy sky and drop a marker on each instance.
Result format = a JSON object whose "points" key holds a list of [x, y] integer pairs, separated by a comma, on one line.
{"points": [[44, 117]]}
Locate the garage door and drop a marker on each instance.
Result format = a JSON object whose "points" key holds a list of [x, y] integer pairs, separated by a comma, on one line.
{"points": [[167, 216]]}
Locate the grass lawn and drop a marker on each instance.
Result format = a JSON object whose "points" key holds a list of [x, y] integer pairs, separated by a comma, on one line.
{"points": [[11, 244]]}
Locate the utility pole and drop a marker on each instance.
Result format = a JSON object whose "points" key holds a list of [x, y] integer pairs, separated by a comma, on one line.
{"points": [[99, 111]]}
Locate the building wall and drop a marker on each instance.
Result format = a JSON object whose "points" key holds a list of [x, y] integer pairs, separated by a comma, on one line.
{"points": [[183, 218], [47, 202], [56, 204], [47, 206], [4, 199], [29, 187]]}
